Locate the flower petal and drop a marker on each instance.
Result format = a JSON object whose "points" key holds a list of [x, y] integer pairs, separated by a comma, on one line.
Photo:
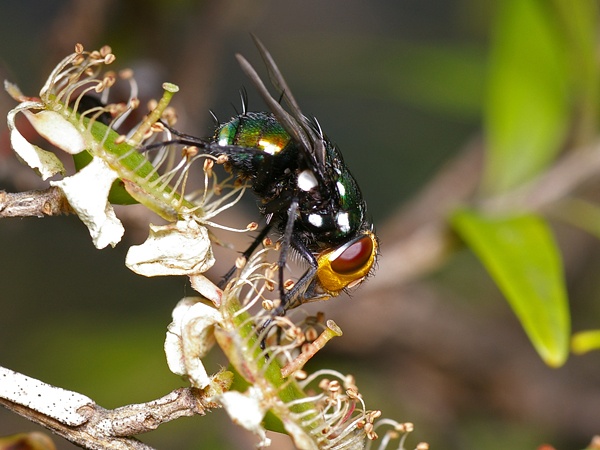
{"points": [[181, 248], [56, 129], [248, 410], [189, 338], [87, 193], [207, 288], [44, 162]]}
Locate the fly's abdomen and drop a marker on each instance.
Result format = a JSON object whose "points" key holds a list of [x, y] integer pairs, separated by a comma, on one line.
{"points": [[254, 130]]}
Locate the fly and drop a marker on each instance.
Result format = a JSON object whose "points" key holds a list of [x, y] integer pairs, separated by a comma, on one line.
{"points": [[307, 193]]}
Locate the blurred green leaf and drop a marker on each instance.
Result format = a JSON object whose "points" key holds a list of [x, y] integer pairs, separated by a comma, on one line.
{"points": [[579, 213], [580, 23], [585, 341], [520, 254], [527, 109]]}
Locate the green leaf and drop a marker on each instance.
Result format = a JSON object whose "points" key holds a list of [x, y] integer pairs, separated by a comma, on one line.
{"points": [[520, 254], [527, 108], [579, 20], [585, 341]]}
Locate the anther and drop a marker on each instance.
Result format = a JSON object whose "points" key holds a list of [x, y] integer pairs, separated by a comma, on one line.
{"points": [[240, 262], [169, 115], [405, 427], [268, 305], [109, 80], [300, 375], [208, 166], [105, 50], [370, 433], [78, 60], [352, 394], [373, 415], [157, 127], [311, 334], [323, 384], [334, 386], [126, 74], [189, 151]]}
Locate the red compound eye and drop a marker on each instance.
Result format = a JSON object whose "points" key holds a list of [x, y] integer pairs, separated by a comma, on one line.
{"points": [[355, 257]]}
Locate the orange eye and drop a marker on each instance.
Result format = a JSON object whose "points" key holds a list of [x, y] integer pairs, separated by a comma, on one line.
{"points": [[354, 257]]}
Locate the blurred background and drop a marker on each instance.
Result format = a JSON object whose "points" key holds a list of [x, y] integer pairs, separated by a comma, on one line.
{"points": [[399, 86]]}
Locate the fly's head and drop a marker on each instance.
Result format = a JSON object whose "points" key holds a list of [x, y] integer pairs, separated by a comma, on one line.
{"points": [[348, 264]]}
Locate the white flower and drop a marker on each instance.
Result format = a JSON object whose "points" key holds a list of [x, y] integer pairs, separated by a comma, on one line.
{"points": [[87, 193]]}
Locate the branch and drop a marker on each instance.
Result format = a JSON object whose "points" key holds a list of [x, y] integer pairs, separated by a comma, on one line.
{"points": [[80, 420], [418, 237], [49, 202]]}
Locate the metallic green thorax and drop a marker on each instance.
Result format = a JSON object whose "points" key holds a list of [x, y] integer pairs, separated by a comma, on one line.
{"points": [[254, 130]]}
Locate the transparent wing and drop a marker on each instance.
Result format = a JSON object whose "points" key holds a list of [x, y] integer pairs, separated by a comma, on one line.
{"points": [[294, 122]]}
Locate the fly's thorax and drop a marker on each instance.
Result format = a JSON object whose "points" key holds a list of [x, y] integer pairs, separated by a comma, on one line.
{"points": [[256, 130]]}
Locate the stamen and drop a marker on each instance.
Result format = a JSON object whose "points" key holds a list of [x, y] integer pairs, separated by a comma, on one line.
{"points": [[169, 90], [332, 331]]}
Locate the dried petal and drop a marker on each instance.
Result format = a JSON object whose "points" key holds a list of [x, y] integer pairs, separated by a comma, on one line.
{"points": [[42, 161], [182, 248], [207, 288], [248, 410], [189, 337], [57, 130], [87, 193]]}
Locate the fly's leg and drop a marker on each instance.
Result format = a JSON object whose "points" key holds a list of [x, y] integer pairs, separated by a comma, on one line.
{"points": [[257, 241], [286, 243], [295, 296]]}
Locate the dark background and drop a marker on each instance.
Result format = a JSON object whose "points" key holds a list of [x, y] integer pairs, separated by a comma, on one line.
{"points": [[399, 86]]}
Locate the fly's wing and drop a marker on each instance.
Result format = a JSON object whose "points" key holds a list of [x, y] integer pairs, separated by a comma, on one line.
{"points": [[294, 122], [278, 81]]}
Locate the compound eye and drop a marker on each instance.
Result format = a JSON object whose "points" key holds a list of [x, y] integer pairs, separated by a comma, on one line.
{"points": [[355, 257]]}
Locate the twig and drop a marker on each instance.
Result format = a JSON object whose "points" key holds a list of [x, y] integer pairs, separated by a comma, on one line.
{"points": [[81, 421], [49, 202]]}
